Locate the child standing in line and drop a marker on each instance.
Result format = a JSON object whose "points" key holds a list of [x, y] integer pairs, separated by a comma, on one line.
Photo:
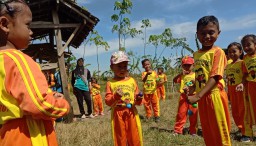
{"points": [[185, 78], [122, 95], [96, 98], [234, 77], [149, 78], [28, 107], [210, 62], [249, 69], [160, 86]]}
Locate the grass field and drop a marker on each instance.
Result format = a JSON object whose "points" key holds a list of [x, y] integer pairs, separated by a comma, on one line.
{"points": [[97, 131]]}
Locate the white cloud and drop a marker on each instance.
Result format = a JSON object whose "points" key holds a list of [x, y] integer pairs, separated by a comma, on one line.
{"points": [[238, 23], [156, 24], [185, 29], [91, 50]]}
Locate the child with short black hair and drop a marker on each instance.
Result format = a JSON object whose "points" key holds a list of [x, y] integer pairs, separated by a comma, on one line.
{"points": [[162, 78], [149, 78], [28, 107], [122, 94], [234, 77], [210, 62], [96, 98], [186, 79], [249, 68]]}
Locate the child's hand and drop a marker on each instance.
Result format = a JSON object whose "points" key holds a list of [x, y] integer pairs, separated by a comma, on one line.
{"points": [[149, 72], [139, 96], [239, 87], [186, 90], [58, 95], [193, 98], [119, 92]]}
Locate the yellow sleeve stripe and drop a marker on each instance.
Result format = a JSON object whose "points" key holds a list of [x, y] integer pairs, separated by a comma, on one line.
{"points": [[36, 87], [28, 87]]}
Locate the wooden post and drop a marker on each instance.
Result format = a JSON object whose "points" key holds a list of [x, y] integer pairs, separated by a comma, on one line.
{"points": [[61, 62]]}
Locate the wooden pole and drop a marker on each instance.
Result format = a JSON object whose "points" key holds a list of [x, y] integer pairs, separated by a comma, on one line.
{"points": [[61, 61]]}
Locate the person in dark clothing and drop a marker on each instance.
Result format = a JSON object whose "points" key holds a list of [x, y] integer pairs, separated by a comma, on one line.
{"points": [[81, 83]]}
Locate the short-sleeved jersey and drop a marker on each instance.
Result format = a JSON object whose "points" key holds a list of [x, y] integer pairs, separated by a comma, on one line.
{"points": [[234, 73], [162, 77], [95, 89], [208, 64], [129, 88], [185, 79], [250, 67], [150, 83]]}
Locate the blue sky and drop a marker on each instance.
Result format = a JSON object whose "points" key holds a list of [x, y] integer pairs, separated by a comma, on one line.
{"points": [[237, 18]]}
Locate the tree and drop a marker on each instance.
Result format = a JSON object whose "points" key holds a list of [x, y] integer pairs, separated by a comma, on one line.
{"points": [[134, 63], [145, 24], [123, 23], [99, 42], [167, 40]]}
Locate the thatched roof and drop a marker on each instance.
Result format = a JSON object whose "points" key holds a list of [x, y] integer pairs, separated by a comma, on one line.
{"points": [[74, 21]]}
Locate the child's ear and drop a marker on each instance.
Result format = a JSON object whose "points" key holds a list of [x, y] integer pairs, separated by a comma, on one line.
{"points": [[4, 21]]}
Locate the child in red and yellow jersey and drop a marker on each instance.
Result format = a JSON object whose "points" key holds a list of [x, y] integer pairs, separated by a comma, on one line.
{"points": [[27, 106], [149, 78], [210, 62], [96, 98], [160, 86], [185, 78], [122, 95], [234, 77], [249, 69]]}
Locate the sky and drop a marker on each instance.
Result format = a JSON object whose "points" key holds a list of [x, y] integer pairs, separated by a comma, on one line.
{"points": [[236, 17]]}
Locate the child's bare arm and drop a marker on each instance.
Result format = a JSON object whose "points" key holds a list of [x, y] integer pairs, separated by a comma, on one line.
{"points": [[146, 76], [176, 79]]}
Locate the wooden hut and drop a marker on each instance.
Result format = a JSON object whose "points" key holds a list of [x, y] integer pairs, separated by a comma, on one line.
{"points": [[63, 24]]}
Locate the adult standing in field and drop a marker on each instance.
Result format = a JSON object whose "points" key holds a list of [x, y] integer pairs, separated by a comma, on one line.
{"points": [[81, 83]]}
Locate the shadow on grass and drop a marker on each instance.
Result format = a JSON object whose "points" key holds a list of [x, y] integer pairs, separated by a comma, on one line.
{"points": [[185, 130]]}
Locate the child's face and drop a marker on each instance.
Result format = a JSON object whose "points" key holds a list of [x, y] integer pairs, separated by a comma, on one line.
{"points": [[208, 34], [160, 71], [93, 80], [249, 46], [187, 67], [234, 53], [19, 29], [120, 70], [147, 65]]}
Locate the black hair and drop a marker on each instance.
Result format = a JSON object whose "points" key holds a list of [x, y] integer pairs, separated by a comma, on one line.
{"points": [[207, 19], [80, 59], [249, 36], [144, 60], [226, 51], [160, 68], [239, 46], [7, 7], [93, 78]]}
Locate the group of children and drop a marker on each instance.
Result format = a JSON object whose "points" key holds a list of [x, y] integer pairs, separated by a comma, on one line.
{"points": [[28, 108], [201, 92]]}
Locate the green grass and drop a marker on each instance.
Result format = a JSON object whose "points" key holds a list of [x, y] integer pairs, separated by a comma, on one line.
{"points": [[97, 131]]}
